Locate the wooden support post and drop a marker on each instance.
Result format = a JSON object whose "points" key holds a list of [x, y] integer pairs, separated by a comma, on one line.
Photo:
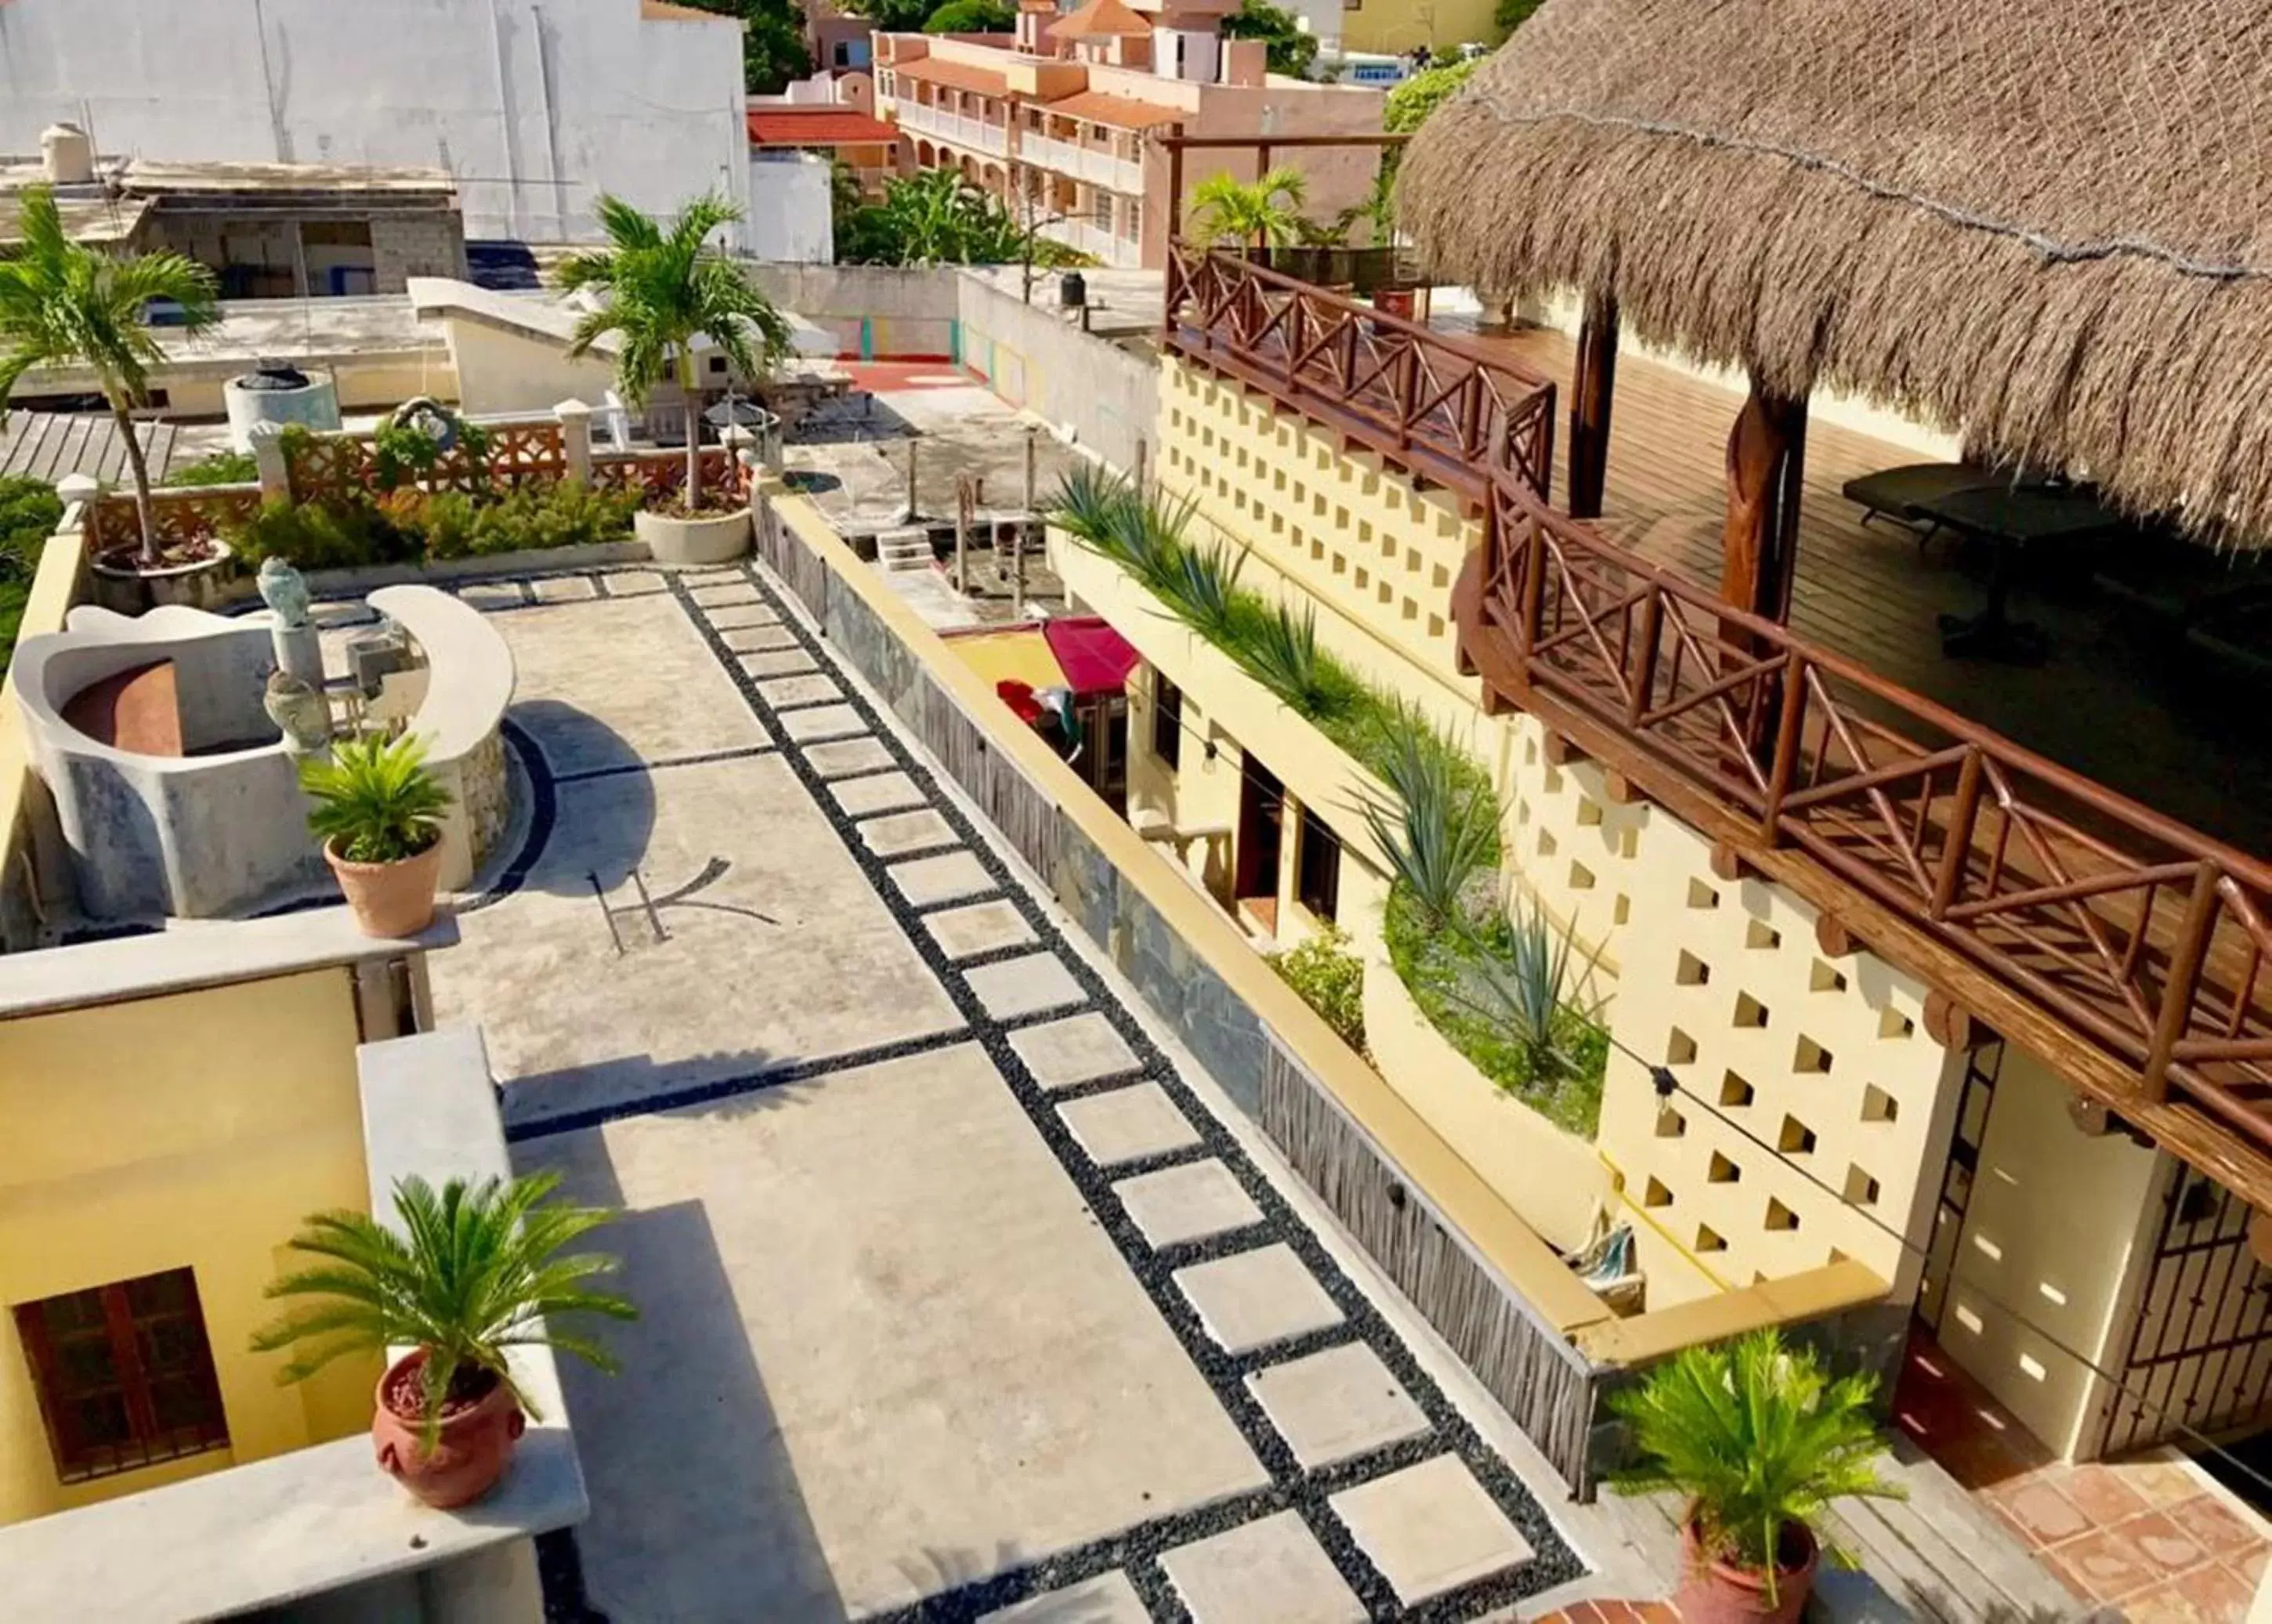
{"points": [[1592, 393], [1767, 461]]}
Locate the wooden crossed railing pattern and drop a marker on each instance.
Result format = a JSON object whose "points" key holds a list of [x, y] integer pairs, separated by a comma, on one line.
{"points": [[2148, 939], [1442, 409], [661, 475], [534, 452], [177, 515]]}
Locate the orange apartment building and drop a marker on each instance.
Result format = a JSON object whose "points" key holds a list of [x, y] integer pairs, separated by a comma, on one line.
{"points": [[1060, 119]]}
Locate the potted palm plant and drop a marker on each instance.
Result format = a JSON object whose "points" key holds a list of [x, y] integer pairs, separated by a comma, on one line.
{"points": [[1255, 216], [463, 1275], [1760, 1440], [379, 812], [66, 306], [661, 291]]}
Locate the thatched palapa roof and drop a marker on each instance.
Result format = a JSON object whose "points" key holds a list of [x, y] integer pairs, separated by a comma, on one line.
{"points": [[2044, 223]]}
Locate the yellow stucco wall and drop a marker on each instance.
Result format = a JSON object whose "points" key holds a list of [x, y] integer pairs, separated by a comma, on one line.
{"points": [[1397, 25], [2057, 1218], [192, 1130]]}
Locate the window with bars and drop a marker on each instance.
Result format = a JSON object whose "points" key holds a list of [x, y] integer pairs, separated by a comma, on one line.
{"points": [[1318, 868], [125, 1375], [1168, 721]]}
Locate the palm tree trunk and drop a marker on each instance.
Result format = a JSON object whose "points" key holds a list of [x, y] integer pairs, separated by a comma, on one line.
{"points": [[684, 364], [137, 464]]}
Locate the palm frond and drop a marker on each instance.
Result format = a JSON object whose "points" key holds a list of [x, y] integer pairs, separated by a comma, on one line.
{"points": [[374, 799]]}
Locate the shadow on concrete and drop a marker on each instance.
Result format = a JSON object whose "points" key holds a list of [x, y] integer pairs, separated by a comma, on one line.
{"points": [[851, 419], [591, 839], [696, 1511], [719, 1087]]}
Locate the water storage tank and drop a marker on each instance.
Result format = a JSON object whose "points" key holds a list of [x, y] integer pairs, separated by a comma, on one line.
{"points": [[279, 393], [67, 155]]}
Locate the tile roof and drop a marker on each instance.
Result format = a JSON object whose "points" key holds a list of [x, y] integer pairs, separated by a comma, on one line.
{"points": [[1122, 112], [1099, 20], [955, 74], [817, 126]]}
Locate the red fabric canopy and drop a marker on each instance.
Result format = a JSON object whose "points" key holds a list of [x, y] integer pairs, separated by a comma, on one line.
{"points": [[1096, 658]]}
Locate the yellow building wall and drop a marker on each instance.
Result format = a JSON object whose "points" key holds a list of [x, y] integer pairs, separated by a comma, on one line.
{"points": [[193, 1131], [1396, 27], [2056, 1221]]}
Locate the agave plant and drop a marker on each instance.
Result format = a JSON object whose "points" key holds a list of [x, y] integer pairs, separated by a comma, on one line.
{"points": [[1200, 586], [1090, 502], [1756, 1435], [1535, 990], [474, 1275], [375, 802], [1438, 828]]}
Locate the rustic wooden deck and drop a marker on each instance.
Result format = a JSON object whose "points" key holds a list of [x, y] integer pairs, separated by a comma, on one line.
{"points": [[2116, 700], [49, 445]]}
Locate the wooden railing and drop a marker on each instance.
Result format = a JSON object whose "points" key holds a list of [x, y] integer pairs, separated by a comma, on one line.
{"points": [[534, 451], [661, 473], [2146, 941], [2145, 937], [1443, 410], [178, 516]]}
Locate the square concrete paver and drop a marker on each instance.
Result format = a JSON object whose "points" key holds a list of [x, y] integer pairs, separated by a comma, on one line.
{"points": [[1251, 1299], [872, 1371], [851, 755], [1025, 986], [1429, 1528], [1079, 1049], [925, 880], [1337, 1403], [765, 637], [791, 955], [488, 594], [713, 592], [982, 927], [564, 589], [1270, 1572], [587, 706], [632, 583], [1127, 1125], [781, 663], [1186, 1203], [823, 721], [814, 690], [739, 621], [1108, 1598], [905, 832], [879, 793]]}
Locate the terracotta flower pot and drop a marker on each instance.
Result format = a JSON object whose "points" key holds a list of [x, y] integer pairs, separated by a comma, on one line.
{"points": [[1712, 1591], [390, 899], [471, 1453]]}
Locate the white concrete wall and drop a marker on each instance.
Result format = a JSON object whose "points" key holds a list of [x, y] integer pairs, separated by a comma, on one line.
{"points": [[790, 209], [537, 106]]}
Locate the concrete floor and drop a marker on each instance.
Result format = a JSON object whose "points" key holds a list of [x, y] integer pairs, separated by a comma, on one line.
{"points": [[964, 1289]]}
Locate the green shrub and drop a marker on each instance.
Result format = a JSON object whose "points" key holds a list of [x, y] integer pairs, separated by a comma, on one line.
{"points": [[30, 510], [534, 519], [321, 535], [223, 468], [1330, 977]]}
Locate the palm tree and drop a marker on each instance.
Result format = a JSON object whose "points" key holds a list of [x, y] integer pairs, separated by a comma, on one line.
{"points": [[664, 289], [1262, 213], [64, 304], [472, 1277]]}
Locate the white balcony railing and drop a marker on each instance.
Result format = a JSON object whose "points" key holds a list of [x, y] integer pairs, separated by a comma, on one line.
{"points": [[974, 133], [1120, 252], [1099, 169]]}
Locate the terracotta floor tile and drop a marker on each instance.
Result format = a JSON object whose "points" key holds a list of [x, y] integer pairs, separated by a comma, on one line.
{"points": [[2162, 1541], [2100, 1495], [2160, 1484], [2108, 1566], [2042, 1516], [2250, 1565], [2219, 1595], [2216, 1525], [2163, 1603]]}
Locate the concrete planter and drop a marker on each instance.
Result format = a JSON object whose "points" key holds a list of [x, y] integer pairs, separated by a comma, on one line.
{"points": [[470, 1454], [390, 899], [709, 538], [129, 588]]}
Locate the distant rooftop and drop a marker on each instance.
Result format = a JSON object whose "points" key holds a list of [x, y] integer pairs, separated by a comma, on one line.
{"points": [[112, 208], [817, 126]]}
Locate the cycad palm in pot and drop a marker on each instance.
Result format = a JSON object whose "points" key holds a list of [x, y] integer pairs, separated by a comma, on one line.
{"points": [[1760, 1440], [379, 812], [467, 1273]]}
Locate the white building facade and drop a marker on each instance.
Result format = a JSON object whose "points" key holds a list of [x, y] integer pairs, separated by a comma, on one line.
{"points": [[536, 106]]}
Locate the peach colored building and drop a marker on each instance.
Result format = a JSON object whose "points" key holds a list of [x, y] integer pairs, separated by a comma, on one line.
{"points": [[1061, 119]]}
